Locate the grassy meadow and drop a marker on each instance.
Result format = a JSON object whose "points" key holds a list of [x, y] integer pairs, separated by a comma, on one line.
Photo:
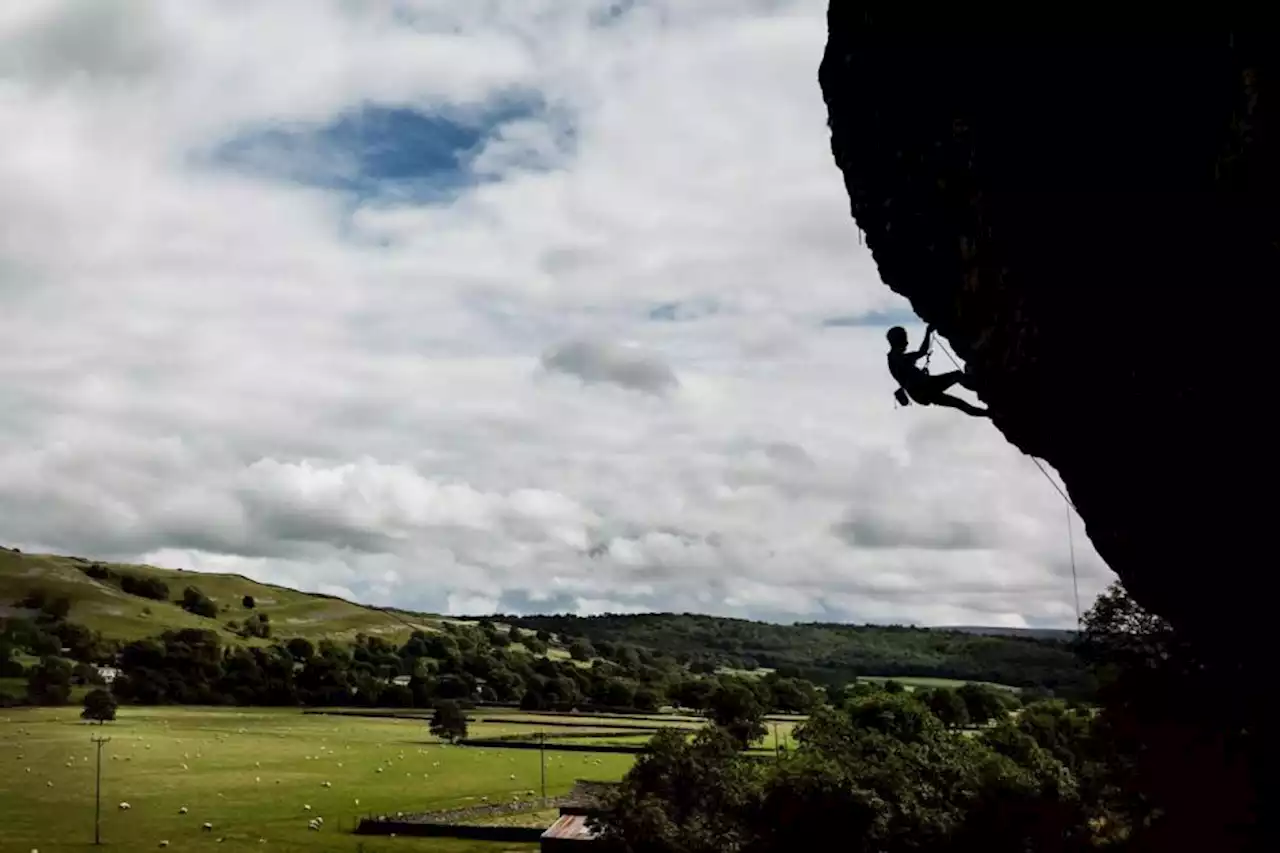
{"points": [[251, 773]]}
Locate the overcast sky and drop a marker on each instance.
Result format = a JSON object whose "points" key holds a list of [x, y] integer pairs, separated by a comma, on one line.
{"points": [[498, 305]]}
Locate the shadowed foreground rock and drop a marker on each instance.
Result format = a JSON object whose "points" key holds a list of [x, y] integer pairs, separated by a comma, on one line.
{"points": [[1091, 221]]}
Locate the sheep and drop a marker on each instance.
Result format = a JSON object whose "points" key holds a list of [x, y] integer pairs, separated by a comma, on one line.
{"points": [[306, 808], [319, 820], [357, 801], [513, 776], [206, 827], [326, 784], [124, 807], [182, 810], [164, 843]]}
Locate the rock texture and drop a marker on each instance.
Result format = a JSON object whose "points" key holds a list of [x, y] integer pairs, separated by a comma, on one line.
{"points": [[1092, 222]]}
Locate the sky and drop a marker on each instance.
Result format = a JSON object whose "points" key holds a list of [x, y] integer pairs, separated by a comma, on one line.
{"points": [[500, 306]]}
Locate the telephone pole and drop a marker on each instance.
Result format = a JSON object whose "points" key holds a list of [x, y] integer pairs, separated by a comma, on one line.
{"points": [[542, 759], [99, 741]]}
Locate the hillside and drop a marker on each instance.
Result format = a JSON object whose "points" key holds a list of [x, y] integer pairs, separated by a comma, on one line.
{"points": [[102, 606], [830, 653], [823, 653]]}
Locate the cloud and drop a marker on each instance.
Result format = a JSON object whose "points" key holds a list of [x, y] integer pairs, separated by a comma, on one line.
{"points": [[596, 361], [511, 305]]}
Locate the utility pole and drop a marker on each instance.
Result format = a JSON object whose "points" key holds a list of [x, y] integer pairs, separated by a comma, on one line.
{"points": [[776, 753], [542, 756], [98, 740]]}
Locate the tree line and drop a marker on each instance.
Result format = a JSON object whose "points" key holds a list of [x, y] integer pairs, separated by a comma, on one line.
{"points": [[1166, 761], [828, 653]]}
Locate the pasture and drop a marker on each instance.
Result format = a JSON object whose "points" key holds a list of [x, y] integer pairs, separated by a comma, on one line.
{"points": [[251, 773]]}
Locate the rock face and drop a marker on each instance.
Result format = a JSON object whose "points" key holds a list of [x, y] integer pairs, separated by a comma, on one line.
{"points": [[1093, 223]]}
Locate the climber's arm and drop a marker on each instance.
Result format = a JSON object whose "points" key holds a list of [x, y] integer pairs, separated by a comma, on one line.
{"points": [[924, 347]]}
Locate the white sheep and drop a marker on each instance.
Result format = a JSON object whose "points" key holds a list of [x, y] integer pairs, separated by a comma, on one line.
{"points": [[319, 820], [206, 826], [327, 784], [182, 810], [124, 807], [164, 843], [306, 808], [313, 826]]}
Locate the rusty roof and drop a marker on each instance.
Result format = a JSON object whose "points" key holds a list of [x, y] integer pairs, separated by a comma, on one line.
{"points": [[570, 826]]}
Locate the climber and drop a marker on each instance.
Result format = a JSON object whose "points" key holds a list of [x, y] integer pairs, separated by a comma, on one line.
{"points": [[919, 385]]}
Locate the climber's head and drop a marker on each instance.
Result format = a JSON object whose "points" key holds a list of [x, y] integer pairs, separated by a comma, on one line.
{"points": [[897, 337]]}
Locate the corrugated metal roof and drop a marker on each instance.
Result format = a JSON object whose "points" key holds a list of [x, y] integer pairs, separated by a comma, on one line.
{"points": [[570, 826]]}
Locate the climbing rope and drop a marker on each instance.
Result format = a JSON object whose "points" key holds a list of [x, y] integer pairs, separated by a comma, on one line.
{"points": [[1071, 545]]}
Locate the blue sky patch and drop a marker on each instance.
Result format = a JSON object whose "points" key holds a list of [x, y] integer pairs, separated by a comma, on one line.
{"points": [[873, 319], [386, 153]]}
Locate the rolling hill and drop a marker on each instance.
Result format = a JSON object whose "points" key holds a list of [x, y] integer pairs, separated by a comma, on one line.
{"points": [[103, 606], [823, 653]]}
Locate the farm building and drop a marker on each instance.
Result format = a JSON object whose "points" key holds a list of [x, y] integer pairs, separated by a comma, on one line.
{"points": [[568, 833]]}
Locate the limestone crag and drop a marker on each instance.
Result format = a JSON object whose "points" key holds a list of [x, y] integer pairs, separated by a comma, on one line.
{"points": [[1092, 221]]}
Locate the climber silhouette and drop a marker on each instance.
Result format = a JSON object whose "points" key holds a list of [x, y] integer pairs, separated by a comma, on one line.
{"points": [[919, 385]]}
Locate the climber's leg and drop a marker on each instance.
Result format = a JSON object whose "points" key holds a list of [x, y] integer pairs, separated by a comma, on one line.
{"points": [[956, 403], [943, 381]]}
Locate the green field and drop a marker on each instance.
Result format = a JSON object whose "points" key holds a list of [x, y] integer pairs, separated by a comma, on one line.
{"points": [[251, 773], [912, 682]]}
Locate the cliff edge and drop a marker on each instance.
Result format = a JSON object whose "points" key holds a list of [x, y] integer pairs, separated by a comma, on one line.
{"points": [[1092, 221]]}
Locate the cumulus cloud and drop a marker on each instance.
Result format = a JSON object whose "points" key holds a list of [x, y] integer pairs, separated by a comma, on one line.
{"points": [[516, 305]]}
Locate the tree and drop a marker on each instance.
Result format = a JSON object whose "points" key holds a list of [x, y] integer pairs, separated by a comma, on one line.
{"points": [[793, 695], [99, 705], [533, 699], [49, 682], [449, 722], [683, 795], [734, 707], [581, 649], [982, 702], [195, 601], [145, 587], [948, 706], [248, 603], [300, 649]]}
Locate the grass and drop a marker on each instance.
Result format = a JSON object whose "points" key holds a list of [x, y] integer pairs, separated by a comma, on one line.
{"points": [[912, 682], [250, 772], [103, 607]]}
